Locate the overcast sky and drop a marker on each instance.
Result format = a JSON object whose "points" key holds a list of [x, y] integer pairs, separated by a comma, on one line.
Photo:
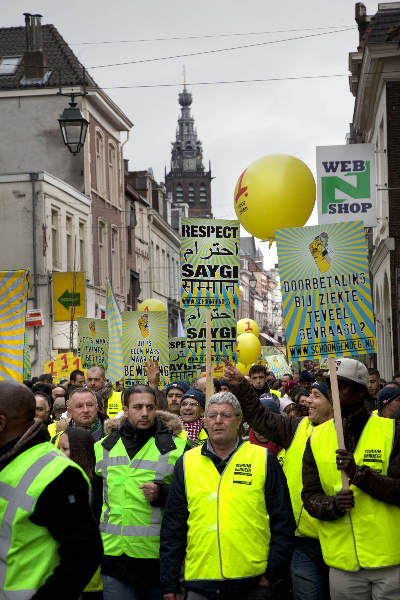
{"points": [[237, 122]]}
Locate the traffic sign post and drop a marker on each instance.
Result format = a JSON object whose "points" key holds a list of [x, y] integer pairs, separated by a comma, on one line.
{"points": [[69, 300]]}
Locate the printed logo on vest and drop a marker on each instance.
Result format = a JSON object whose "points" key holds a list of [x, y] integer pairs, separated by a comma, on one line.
{"points": [[242, 474], [373, 455]]}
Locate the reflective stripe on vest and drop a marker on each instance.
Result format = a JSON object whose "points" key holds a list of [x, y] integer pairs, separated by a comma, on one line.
{"points": [[228, 525], [21, 565], [123, 501], [292, 467], [368, 535]]}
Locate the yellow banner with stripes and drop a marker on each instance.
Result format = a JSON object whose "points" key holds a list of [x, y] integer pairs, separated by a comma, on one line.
{"points": [[14, 287]]}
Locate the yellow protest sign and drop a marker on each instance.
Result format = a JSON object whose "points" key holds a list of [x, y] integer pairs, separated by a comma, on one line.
{"points": [[69, 299], [62, 366]]}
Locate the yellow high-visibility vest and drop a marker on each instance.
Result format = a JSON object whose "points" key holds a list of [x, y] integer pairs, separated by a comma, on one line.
{"points": [[28, 552], [368, 535], [292, 467], [228, 526], [129, 524]]}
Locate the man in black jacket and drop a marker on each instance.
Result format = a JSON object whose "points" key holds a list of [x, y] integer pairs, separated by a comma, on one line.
{"points": [[253, 574], [61, 516]]}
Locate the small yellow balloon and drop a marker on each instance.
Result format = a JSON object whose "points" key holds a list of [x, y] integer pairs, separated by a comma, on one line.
{"points": [[248, 348], [152, 304], [244, 369], [274, 192], [247, 326]]}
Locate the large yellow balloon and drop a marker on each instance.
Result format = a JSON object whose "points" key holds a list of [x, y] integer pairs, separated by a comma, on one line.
{"points": [[247, 326], [152, 304], [244, 369], [275, 191], [248, 348]]}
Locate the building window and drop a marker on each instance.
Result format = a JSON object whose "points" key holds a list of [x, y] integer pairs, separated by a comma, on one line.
{"points": [[103, 270], [115, 263], [70, 243], [179, 193], [112, 174], [191, 192], [9, 64], [55, 238], [203, 193], [82, 245], [99, 162]]}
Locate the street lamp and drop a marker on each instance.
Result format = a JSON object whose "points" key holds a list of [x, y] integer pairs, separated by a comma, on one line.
{"points": [[73, 127], [252, 282]]}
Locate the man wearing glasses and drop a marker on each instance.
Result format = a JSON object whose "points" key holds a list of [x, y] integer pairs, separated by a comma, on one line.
{"points": [[228, 511]]}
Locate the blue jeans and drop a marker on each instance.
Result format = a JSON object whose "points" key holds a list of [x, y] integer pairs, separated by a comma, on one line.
{"points": [[310, 575], [115, 589]]}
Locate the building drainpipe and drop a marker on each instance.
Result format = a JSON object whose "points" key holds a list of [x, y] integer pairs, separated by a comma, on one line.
{"points": [[34, 178]]}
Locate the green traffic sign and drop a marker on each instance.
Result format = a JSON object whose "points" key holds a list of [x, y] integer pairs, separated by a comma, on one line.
{"points": [[68, 299]]}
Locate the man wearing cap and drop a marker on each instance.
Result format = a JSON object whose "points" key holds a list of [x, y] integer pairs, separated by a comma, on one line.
{"points": [[191, 413], [308, 570], [389, 401], [359, 527], [174, 393]]}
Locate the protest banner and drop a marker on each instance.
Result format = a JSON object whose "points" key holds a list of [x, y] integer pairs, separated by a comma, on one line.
{"points": [[62, 366], [326, 292], [144, 338], [278, 365], [346, 187], [93, 342], [210, 261], [179, 370], [222, 340], [14, 289]]}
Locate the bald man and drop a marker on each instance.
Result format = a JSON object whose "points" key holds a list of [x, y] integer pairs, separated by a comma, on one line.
{"points": [[97, 382], [50, 545]]}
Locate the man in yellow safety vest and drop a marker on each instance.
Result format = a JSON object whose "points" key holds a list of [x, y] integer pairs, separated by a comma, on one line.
{"points": [[97, 382], [50, 545], [228, 511], [308, 570], [358, 528]]}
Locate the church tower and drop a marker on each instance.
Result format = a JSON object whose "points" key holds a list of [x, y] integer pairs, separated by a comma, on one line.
{"points": [[187, 181]]}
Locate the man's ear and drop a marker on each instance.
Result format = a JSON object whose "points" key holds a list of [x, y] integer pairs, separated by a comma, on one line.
{"points": [[3, 422], [125, 409]]}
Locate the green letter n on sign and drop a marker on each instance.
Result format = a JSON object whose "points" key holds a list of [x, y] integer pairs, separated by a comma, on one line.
{"points": [[330, 184]]}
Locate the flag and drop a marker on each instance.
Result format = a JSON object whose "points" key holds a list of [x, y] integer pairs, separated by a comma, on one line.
{"points": [[115, 371], [27, 370], [181, 331], [14, 286]]}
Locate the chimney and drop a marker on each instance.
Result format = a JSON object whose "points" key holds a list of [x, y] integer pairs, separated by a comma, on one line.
{"points": [[35, 58], [363, 21]]}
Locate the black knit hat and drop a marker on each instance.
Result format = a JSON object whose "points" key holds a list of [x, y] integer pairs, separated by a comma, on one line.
{"points": [[179, 385], [196, 395]]}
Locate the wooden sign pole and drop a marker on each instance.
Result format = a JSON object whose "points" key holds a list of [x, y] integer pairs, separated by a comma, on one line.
{"points": [[209, 373], [337, 414]]}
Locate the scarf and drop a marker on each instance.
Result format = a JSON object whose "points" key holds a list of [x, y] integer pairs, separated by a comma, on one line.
{"points": [[274, 448], [193, 429]]}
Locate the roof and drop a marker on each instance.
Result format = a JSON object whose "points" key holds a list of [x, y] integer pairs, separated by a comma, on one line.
{"points": [[66, 70], [382, 26], [247, 246]]}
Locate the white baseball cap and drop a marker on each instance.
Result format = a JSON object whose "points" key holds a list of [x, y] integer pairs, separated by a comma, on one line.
{"points": [[353, 370]]}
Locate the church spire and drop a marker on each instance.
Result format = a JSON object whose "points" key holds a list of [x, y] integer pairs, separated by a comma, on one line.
{"points": [[188, 181]]}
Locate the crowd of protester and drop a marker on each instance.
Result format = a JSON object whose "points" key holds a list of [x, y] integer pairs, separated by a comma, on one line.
{"points": [[165, 495]]}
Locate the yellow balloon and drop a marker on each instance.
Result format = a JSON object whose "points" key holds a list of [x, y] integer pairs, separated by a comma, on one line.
{"points": [[248, 348], [244, 369], [152, 304], [247, 326], [275, 191]]}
